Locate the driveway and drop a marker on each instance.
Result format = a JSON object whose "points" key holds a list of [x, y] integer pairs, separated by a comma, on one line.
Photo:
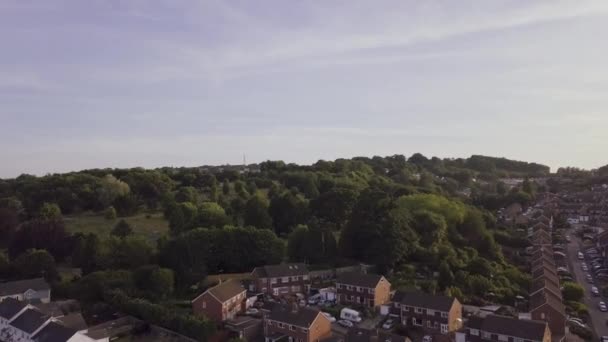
{"points": [[598, 318]]}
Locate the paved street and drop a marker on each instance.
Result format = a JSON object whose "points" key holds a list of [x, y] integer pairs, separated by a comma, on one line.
{"points": [[598, 318]]}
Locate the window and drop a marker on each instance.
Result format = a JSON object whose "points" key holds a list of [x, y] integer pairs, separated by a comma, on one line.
{"points": [[352, 298], [285, 279], [371, 291], [418, 310], [430, 312], [305, 277], [269, 323], [486, 335], [417, 322], [503, 338], [273, 280], [428, 324], [359, 289], [444, 315], [292, 328], [279, 324], [294, 278], [204, 304], [444, 328], [474, 332], [407, 308], [436, 326], [339, 286], [348, 287]]}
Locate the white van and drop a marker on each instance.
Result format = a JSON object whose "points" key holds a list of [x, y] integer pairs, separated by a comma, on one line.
{"points": [[350, 314]]}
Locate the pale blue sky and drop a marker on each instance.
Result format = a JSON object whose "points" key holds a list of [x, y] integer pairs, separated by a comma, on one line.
{"points": [[86, 84]]}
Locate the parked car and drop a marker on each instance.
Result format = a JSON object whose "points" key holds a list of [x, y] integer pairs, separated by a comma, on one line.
{"points": [[388, 324], [329, 316], [346, 323], [602, 306], [252, 311], [427, 338], [350, 314], [595, 291], [568, 238], [604, 338], [579, 323], [581, 256], [589, 279], [585, 268]]}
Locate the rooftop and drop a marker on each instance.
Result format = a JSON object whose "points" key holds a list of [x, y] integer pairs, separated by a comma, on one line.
{"points": [[281, 270], [29, 321], [359, 279], [424, 300], [301, 317], [226, 290], [21, 286], [9, 307]]}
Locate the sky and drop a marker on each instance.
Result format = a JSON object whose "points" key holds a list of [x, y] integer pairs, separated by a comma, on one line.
{"points": [[94, 84]]}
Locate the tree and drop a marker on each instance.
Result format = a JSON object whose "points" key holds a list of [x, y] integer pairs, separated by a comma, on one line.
{"points": [[287, 210], [226, 187], [187, 194], [256, 212], [110, 189], [572, 292], [335, 205], [110, 213], [36, 263], [86, 252], [41, 234], [50, 211], [446, 277], [154, 281], [4, 265], [8, 225], [212, 215], [127, 253], [122, 229]]}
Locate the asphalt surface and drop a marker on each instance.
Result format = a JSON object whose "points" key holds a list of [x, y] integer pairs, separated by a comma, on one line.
{"points": [[598, 318]]}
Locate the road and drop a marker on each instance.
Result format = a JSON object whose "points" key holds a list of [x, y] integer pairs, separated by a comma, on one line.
{"points": [[598, 318]]}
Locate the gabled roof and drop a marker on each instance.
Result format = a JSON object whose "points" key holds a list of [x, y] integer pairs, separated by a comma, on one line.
{"points": [[21, 286], [547, 284], [545, 297], [301, 317], [225, 291], [359, 279], [539, 251], [503, 325], [424, 300], [9, 307], [545, 270], [369, 335], [54, 332], [281, 270], [544, 261], [73, 320], [29, 321]]}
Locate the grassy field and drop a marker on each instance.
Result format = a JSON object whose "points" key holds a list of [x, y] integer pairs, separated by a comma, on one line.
{"points": [[151, 227]]}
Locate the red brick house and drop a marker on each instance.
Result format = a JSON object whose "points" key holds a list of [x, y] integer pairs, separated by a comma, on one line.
{"points": [[283, 279], [369, 290], [439, 314], [295, 324], [221, 302], [548, 307], [501, 328]]}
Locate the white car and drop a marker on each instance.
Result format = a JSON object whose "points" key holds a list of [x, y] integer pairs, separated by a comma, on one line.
{"points": [[576, 321], [427, 338], [389, 324], [329, 316], [346, 324], [603, 307], [252, 311]]}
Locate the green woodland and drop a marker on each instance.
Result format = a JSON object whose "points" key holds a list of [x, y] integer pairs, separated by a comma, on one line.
{"points": [[145, 239]]}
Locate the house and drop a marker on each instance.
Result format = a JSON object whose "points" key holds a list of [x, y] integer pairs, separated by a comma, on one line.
{"points": [[433, 313], [369, 290], [221, 302], [545, 283], [281, 279], [503, 328], [541, 237], [245, 328], [294, 324], [372, 335], [55, 332], [30, 290], [548, 307]]}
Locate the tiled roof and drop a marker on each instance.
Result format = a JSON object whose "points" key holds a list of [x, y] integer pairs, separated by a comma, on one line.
{"points": [[226, 290], [54, 332], [281, 270], [9, 307], [301, 317], [424, 300], [21, 286], [29, 320], [545, 297], [503, 325], [359, 279]]}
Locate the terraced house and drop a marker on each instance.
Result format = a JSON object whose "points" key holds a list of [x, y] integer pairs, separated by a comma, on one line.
{"points": [[281, 279], [369, 290], [221, 302], [294, 324], [503, 329], [438, 314]]}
